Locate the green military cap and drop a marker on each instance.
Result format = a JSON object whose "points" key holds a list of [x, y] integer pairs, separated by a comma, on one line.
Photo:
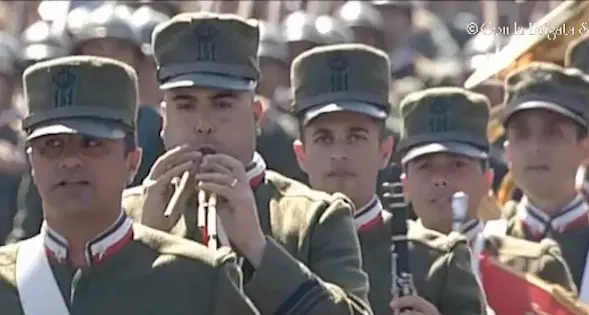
{"points": [[207, 49], [343, 77], [576, 54], [550, 87], [445, 119], [85, 95]]}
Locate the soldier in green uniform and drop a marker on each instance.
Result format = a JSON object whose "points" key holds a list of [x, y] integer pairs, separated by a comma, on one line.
{"points": [[546, 121], [90, 257], [104, 31], [444, 149], [38, 42], [278, 128], [365, 22], [343, 144], [280, 227]]}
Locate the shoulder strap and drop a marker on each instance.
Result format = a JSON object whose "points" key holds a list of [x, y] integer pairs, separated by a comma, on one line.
{"points": [[37, 289]]}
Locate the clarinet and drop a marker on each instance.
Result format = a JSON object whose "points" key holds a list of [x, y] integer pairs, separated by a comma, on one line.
{"points": [[459, 209], [402, 280]]}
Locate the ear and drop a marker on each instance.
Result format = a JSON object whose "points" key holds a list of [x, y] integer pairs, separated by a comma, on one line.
{"points": [[490, 176], [30, 157], [164, 119], [403, 178], [133, 162], [386, 150], [258, 111], [299, 150], [585, 147]]}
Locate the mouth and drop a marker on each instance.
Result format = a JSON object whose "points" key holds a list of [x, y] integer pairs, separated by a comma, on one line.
{"points": [[341, 174], [207, 150], [538, 168], [71, 183], [440, 200]]}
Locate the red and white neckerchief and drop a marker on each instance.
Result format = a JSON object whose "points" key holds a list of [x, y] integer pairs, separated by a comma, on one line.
{"points": [[255, 172], [369, 215], [539, 224], [99, 248]]}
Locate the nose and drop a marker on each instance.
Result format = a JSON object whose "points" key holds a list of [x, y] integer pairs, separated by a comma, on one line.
{"points": [[70, 160], [339, 155], [204, 126], [439, 181]]}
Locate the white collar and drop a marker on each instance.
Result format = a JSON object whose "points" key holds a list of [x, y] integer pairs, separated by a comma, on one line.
{"points": [[537, 220], [368, 212], [105, 243]]}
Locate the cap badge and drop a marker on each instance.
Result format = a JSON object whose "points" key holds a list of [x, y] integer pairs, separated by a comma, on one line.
{"points": [[338, 78], [205, 35], [63, 81]]}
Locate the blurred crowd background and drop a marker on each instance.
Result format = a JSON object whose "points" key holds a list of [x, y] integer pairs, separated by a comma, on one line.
{"points": [[428, 42]]}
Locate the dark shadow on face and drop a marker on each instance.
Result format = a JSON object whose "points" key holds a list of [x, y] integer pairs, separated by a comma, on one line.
{"points": [[78, 175]]}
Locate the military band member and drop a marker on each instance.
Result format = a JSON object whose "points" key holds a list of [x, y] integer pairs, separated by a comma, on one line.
{"points": [[546, 119], [341, 98], [445, 150], [301, 255], [89, 257]]}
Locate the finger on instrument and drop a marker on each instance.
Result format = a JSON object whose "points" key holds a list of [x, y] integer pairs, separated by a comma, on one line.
{"points": [[216, 178], [227, 161], [210, 166], [172, 158], [213, 188], [166, 178]]}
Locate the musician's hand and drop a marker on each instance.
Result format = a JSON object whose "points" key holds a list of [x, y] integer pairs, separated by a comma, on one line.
{"points": [[226, 177], [158, 187], [418, 305]]}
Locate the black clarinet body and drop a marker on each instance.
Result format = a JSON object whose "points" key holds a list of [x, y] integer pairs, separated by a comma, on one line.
{"points": [[402, 279]]}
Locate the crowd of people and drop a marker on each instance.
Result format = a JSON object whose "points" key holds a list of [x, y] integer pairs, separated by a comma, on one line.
{"points": [[345, 165]]}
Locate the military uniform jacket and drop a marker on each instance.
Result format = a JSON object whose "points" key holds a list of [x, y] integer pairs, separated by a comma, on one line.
{"points": [[440, 266], [573, 242], [152, 273], [311, 263]]}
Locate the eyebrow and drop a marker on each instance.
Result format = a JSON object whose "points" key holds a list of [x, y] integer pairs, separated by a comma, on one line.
{"points": [[358, 129], [216, 96]]}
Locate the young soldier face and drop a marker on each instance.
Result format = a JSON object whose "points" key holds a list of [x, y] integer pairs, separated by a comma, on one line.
{"points": [[343, 152], [76, 173], [204, 117], [544, 150], [431, 180]]}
